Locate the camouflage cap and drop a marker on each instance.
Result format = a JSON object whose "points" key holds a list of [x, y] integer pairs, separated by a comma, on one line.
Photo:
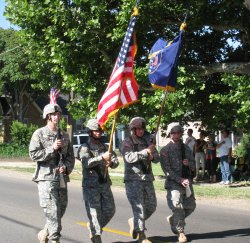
{"points": [[93, 125], [51, 108], [174, 127], [137, 122]]}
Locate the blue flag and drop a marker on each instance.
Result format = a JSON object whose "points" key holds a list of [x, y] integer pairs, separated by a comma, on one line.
{"points": [[163, 64]]}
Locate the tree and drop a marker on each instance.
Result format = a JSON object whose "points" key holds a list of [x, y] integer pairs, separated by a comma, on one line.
{"points": [[76, 43], [15, 78]]}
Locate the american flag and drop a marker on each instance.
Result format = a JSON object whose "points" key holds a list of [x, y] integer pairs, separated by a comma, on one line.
{"points": [[122, 89], [54, 93]]}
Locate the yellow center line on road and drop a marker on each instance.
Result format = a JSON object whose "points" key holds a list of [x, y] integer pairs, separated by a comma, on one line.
{"points": [[118, 232]]}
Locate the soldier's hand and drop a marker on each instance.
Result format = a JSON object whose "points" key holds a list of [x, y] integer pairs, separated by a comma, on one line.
{"points": [[151, 149], [106, 156], [58, 144], [108, 163], [184, 182], [185, 162], [61, 169]]}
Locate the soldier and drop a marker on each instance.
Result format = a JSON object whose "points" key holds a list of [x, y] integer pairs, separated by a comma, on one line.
{"points": [[44, 149], [96, 183], [138, 153], [178, 164]]}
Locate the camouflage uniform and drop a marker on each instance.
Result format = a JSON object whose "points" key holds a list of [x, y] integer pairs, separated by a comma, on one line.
{"points": [[171, 163], [99, 200], [53, 199], [139, 178]]}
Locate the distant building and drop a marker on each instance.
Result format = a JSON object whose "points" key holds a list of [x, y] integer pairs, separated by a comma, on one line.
{"points": [[32, 115]]}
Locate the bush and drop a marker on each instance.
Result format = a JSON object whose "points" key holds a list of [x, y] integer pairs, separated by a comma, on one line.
{"points": [[13, 151], [21, 133], [243, 149]]}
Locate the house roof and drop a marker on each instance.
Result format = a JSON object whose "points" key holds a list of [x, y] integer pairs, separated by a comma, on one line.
{"points": [[41, 101]]}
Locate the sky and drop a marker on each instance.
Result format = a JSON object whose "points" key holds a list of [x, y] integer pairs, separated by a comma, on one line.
{"points": [[3, 22]]}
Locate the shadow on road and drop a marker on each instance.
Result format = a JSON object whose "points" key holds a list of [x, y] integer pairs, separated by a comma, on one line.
{"points": [[24, 224], [191, 237], [154, 239], [222, 234]]}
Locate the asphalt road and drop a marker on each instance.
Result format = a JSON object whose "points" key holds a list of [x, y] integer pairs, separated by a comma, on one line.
{"points": [[21, 217]]}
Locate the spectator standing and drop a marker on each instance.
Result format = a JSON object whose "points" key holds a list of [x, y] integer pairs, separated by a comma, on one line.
{"points": [[190, 140], [138, 153], [224, 149], [44, 149], [211, 158], [177, 162], [96, 183], [199, 149]]}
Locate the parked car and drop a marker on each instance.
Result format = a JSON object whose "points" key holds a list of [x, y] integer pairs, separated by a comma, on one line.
{"points": [[81, 138], [78, 140]]}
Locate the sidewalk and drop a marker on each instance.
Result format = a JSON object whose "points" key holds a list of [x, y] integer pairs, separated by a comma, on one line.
{"points": [[17, 163]]}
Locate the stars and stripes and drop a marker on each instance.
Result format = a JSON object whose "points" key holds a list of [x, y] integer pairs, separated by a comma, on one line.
{"points": [[122, 89], [54, 93]]}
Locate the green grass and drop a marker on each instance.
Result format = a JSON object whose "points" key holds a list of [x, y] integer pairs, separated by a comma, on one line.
{"points": [[239, 190], [235, 191]]}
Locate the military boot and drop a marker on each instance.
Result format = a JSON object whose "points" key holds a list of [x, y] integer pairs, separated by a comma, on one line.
{"points": [[142, 238], [170, 221], [182, 237], [96, 239], [43, 236], [132, 232]]}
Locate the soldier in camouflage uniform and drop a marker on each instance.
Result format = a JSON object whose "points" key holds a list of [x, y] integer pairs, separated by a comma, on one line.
{"points": [[178, 164], [138, 153], [96, 183], [44, 149]]}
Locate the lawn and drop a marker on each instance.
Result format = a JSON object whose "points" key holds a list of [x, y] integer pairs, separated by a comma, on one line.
{"points": [[239, 190]]}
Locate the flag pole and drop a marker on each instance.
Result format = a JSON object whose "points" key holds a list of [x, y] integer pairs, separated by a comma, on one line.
{"points": [[112, 133], [159, 117], [111, 141]]}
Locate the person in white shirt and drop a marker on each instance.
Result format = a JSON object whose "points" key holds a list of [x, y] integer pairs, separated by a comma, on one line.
{"points": [[224, 149], [190, 140]]}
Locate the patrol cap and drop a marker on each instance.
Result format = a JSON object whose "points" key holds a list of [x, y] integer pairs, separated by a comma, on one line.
{"points": [[137, 122], [93, 125], [174, 127], [51, 108]]}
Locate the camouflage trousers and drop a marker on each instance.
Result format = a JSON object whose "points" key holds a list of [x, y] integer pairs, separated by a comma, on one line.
{"points": [[142, 198], [53, 200], [180, 205], [100, 206]]}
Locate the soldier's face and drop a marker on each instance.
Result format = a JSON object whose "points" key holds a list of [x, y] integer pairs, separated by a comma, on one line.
{"points": [[224, 134], [97, 134], [55, 117], [139, 132], [176, 136]]}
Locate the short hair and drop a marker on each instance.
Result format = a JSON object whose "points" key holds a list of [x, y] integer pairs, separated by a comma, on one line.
{"points": [[203, 133], [190, 130]]}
